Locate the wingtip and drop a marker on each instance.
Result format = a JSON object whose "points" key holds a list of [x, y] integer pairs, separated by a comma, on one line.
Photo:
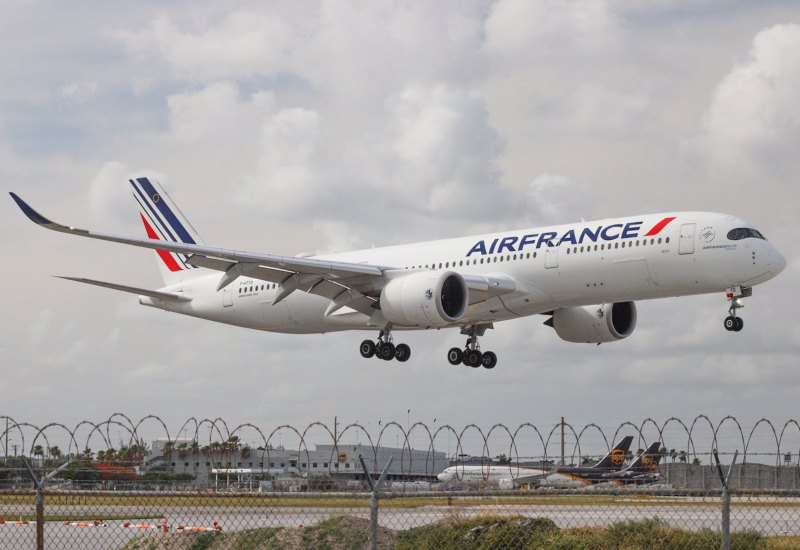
{"points": [[32, 214]]}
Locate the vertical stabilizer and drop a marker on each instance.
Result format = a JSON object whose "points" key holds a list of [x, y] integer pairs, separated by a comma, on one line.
{"points": [[616, 457], [164, 221]]}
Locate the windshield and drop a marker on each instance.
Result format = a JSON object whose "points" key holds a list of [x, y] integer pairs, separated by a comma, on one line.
{"points": [[743, 233]]}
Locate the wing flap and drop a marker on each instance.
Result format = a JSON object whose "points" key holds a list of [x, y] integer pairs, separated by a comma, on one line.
{"points": [[155, 294]]}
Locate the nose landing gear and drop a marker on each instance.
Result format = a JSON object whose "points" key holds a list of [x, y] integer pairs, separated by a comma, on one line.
{"points": [[735, 295], [384, 348], [471, 355]]}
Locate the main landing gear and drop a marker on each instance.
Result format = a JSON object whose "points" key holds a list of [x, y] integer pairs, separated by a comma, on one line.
{"points": [[471, 355], [735, 295], [384, 348]]}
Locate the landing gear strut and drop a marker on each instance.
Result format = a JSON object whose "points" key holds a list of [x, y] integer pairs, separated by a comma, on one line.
{"points": [[384, 348], [471, 355], [735, 295]]}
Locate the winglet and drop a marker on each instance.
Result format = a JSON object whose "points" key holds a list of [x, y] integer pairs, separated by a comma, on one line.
{"points": [[30, 212]]}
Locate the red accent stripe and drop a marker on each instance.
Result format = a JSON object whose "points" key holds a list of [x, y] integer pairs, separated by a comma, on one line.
{"points": [[658, 227], [165, 256]]}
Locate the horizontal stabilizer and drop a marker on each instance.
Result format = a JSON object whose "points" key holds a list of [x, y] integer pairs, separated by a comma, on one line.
{"points": [[156, 295]]}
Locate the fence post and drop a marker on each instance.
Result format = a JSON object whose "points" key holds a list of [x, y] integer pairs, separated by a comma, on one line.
{"points": [[726, 501], [39, 485], [372, 543]]}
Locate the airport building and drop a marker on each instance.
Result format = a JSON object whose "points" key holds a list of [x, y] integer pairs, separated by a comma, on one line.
{"points": [[340, 463]]}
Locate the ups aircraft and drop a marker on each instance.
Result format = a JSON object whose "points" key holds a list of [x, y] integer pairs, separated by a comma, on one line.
{"points": [[509, 477]]}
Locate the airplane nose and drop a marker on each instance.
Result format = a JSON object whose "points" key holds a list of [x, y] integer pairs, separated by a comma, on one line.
{"points": [[777, 263]]}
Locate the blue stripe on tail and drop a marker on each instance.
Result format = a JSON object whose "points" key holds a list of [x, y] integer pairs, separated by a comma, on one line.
{"points": [[165, 210]]}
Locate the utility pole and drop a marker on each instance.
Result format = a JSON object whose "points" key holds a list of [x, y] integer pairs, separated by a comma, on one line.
{"points": [[562, 441]]}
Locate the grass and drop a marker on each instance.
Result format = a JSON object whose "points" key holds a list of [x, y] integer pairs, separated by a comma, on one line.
{"points": [[485, 532]]}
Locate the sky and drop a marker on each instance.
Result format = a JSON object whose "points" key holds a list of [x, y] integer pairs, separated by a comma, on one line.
{"points": [[320, 126]]}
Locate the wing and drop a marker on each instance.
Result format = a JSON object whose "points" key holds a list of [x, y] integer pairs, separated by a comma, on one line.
{"points": [[354, 285]]}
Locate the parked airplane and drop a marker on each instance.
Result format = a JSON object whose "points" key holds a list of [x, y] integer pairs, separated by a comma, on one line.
{"points": [[509, 477], [585, 276], [642, 470]]}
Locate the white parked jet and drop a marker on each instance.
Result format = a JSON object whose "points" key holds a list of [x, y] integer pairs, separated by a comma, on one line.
{"points": [[586, 276]]}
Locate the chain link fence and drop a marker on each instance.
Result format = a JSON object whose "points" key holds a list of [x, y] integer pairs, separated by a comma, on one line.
{"points": [[120, 484], [559, 519]]}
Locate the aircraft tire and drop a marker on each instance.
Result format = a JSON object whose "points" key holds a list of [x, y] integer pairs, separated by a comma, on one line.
{"points": [[367, 349], [730, 323], [474, 358], [402, 352], [455, 356], [739, 324], [489, 360], [387, 351]]}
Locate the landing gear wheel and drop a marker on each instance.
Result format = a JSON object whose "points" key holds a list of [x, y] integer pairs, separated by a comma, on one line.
{"points": [[387, 351], [474, 358], [739, 324], [455, 356], [489, 360], [367, 349], [730, 323], [402, 352]]}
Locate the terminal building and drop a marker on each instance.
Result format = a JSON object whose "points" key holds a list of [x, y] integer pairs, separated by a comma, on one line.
{"points": [[338, 463]]}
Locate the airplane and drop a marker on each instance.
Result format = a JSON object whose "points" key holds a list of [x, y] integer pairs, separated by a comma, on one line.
{"points": [[509, 477], [586, 277], [642, 470]]}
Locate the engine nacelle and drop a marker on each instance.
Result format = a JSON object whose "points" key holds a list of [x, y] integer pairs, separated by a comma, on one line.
{"points": [[597, 324], [427, 298], [506, 484]]}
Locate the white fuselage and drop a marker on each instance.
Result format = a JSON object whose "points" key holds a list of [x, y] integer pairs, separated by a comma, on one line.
{"points": [[581, 264], [483, 476]]}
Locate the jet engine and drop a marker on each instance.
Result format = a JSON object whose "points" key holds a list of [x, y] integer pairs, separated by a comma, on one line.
{"points": [[427, 298], [594, 324], [506, 484]]}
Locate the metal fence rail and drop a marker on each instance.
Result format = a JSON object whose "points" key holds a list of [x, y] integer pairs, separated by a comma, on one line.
{"points": [[629, 519]]}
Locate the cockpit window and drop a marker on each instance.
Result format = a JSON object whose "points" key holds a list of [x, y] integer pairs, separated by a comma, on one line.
{"points": [[744, 233]]}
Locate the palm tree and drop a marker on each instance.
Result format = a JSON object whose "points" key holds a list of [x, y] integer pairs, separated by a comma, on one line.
{"points": [[38, 450], [246, 452], [101, 456], [182, 449], [682, 456], [111, 454], [87, 452], [169, 446], [55, 452], [696, 461]]}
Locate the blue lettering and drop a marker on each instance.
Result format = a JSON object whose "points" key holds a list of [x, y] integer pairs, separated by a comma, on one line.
{"points": [[569, 237], [546, 238], [507, 243], [606, 236], [592, 236], [527, 239], [491, 250], [629, 228], [480, 247]]}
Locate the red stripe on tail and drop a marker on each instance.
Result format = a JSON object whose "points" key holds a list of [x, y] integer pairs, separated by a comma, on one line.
{"points": [[165, 256], [658, 227]]}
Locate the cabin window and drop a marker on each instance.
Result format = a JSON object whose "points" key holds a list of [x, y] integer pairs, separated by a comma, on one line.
{"points": [[447, 264], [534, 254], [623, 244], [667, 240], [515, 256], [652, 241], [440, 265], [495, 259], [602, 247], [637, 242], [501, 258], [644, 242], [581, 249], [659, 240], [595, 248], [481, 260], [240, 290], [568, 251]]}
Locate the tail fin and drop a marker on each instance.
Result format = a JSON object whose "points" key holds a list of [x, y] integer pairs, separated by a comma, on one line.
{"points": [[647, 461], [616, 457], [164, 221]]}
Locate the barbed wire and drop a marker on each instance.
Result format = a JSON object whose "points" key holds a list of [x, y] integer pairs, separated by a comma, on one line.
{"points": [[222, 441]]}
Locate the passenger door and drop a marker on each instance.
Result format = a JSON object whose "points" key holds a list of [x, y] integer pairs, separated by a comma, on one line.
{"points": [[686, 243], [550, 256]]}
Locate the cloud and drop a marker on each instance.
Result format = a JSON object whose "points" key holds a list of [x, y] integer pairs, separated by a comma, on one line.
{"points": [[753, 123]]}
